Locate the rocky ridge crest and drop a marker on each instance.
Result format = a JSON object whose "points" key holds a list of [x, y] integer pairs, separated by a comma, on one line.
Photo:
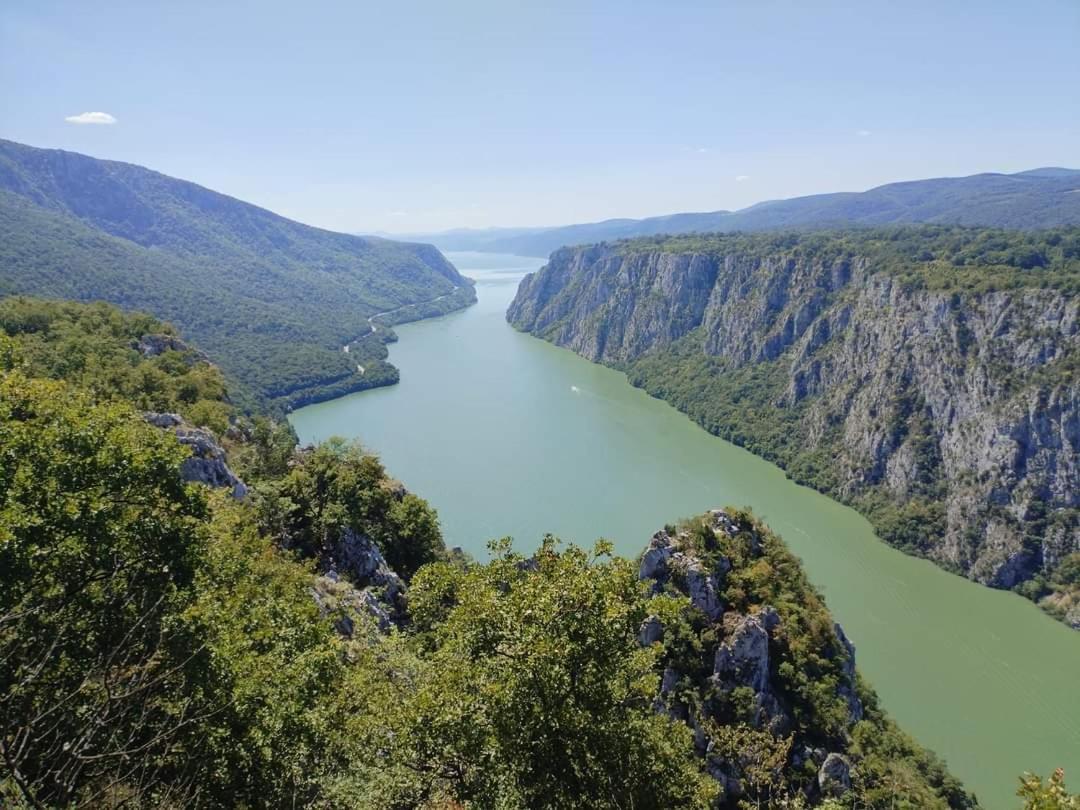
{"points": [[749, 649]]}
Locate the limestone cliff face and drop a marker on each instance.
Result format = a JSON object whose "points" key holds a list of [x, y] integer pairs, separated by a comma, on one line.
{"points": [[969, 400]]}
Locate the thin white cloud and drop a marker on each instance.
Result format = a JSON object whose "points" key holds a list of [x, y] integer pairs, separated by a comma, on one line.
{"points": [[739, 178], [702, 150], [91, 118], [863, 133], [398, 213]]}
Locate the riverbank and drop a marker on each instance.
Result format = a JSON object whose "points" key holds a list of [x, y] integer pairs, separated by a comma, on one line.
{"points": [[369, 353]]}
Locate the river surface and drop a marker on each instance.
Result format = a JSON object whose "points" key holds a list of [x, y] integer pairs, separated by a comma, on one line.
{"points": [[508, 435]]}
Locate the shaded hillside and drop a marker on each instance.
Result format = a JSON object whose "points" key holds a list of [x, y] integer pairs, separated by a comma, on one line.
{"points": [[272, 300], [1038, 198], [928, 376]]}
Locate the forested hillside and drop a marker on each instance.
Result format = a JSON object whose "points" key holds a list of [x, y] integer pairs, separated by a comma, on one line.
{"points": [[927, 376], [1039, 198], [307, 641], [271, 300]]}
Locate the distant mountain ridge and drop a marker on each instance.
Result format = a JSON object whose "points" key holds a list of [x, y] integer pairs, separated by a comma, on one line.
{"points": [[1037, 198], [273, 301]]}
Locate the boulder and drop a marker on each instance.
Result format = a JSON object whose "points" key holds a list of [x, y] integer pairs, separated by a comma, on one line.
{"points": [[834, 776], [743, 659], [358, 557], [206, 464], [654, 562], [652, 631], [163, 420], [155, 344]]}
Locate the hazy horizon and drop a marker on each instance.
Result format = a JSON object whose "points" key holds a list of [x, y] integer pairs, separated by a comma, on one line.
{"points": [[428, 117]]}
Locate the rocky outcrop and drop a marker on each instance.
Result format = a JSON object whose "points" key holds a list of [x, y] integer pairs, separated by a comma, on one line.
{"points": [[663, 560], [847, 685], [743, 660], [750, 648], [358, 558], [834, 776], [965, 402], [652, 631], [207, 462], [349, 605], [356, 587], [152, 345]]}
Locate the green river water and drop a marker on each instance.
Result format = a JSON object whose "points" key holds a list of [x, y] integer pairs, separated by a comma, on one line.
{"points": [[508, 435]]}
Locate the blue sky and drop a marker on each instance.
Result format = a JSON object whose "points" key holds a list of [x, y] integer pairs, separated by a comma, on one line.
{"points": [[409, 116]]}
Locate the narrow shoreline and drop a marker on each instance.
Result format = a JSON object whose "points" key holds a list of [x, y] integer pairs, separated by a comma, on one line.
{"points": [[356, 381]]}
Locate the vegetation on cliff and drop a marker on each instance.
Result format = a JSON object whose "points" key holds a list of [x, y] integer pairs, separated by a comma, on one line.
{"points": [[935, 257], [951, 422]]}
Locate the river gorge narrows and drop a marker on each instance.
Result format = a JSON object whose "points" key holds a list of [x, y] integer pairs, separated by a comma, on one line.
{"points": [[508, 435]]}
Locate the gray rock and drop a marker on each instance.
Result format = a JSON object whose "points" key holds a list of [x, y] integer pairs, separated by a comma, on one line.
{"points": [[846, 689], [668, 681], [652, 631], [359, 559], [155, 344], [207, 463], [834, 777], [702, 589], [769, 618], [743, 659], [770, 715], [723, 522], [666, 701], [348, 604], [163, 420], [654, 562]]}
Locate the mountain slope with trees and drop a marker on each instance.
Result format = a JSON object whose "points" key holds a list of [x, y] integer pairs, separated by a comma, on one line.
{"points": [[272, 300]]}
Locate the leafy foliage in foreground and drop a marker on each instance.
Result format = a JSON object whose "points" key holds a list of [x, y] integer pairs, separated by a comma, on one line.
{"points": [[1049, 796], [159, 647], [527, 689], [99, 544], [183, 656], [95, 346]]}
